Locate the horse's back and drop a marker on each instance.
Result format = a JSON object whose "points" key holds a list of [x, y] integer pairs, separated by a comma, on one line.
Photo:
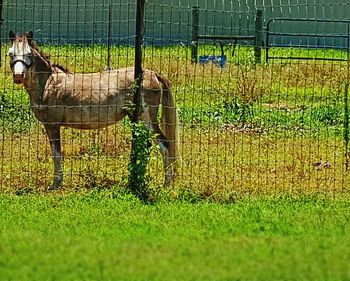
{"points": [[92, 100]]}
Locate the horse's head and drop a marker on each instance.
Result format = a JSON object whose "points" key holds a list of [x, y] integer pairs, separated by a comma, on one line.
{"points": [[21, 55]]}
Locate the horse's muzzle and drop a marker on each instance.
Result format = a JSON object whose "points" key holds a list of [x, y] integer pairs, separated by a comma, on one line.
{"points": [[18, 78]]}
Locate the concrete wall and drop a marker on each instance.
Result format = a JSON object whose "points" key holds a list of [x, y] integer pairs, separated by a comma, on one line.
{"points": [[169, 22]]}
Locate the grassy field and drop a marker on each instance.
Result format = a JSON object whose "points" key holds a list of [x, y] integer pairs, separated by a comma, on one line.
{"points": [[109, 235], [265, 141], [244, 129]]}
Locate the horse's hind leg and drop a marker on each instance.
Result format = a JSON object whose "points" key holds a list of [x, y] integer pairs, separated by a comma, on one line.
{"points": [[150, 118], [163, 143], [53, 132]]}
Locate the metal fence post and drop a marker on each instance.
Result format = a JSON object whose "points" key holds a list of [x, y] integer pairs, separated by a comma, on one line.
{"points": [[346, 106], [195, 33], [267, 43], [138, 59], [1, 20], [109, 36], [346, 124], [136, 182], [258, 36]]}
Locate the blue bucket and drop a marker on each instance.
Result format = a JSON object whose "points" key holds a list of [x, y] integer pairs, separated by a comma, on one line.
{"points": [[220, 61]]}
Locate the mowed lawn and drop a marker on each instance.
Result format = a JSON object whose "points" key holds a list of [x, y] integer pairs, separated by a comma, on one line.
{"points": [[106, 235]]}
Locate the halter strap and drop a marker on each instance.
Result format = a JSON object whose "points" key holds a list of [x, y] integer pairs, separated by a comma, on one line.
{"points": [[28, 66]]}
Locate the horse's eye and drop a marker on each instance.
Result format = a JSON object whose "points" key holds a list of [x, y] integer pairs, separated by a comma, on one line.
{"points": [[10, 52]]}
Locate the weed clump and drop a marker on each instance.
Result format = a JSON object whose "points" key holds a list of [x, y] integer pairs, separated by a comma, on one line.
{"points": [[138, 173]]}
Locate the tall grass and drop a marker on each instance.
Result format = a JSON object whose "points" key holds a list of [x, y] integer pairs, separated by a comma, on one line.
{"points": [[245, 128], [233, 94]]}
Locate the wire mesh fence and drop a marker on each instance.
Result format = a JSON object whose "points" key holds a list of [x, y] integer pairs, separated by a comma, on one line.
{"points": [[277, 124]]}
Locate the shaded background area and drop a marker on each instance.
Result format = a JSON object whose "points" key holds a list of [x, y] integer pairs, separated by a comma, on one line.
{"points": [[73, 21]]}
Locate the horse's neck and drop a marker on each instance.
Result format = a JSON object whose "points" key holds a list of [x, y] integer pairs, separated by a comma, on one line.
{"points": [[36, 80]]}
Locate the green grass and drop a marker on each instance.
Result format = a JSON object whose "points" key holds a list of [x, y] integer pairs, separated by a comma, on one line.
{"points": [[252, 138], [308, 53], [106, 235]]}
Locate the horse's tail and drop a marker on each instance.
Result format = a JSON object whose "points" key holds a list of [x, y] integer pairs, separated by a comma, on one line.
{"points": [[170, 124]]}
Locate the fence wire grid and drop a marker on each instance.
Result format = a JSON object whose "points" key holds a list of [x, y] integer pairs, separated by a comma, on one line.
{"points": [[261, 90]]}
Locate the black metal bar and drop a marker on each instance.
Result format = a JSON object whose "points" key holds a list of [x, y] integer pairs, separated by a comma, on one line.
{"points": [[1, 21], [258, 36], [109, 36], [267, 42], [307, 20], [315, 35], [348, 48], [304, 20], [300, 46], [346, 108], [136, 181], [138, 59], [308, 35], [221, 47], [195, 34], [226, 37], [346, 124]]}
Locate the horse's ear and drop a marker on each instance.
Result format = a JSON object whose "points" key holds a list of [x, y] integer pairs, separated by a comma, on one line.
{"points": [[12, 35], [30, 36]]}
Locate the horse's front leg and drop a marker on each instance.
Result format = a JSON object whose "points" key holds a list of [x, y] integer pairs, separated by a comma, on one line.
{"points": [[53, 132]]}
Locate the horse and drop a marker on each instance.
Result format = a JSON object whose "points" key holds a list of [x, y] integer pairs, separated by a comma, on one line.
{"points": [[89, 101]]}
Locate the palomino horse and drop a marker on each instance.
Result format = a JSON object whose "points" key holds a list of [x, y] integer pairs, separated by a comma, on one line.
{"points": [[91, 100]]}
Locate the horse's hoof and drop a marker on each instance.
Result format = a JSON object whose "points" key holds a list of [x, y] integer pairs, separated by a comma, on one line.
{"points": [[53, 187], [56, 183]]}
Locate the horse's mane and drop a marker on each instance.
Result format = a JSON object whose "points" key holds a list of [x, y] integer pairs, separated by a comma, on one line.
{"points": [[62, 68], [47, 59]]}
